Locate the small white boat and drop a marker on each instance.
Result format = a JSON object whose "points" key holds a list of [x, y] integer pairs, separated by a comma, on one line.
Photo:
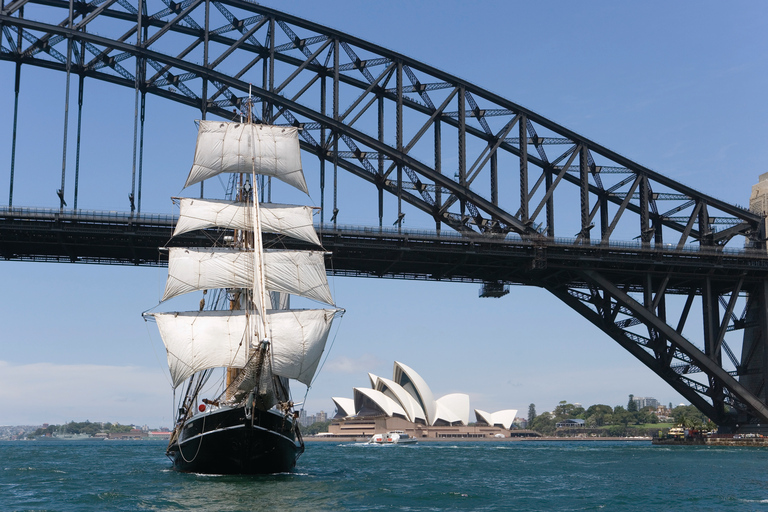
{"points": [[393, 437]]}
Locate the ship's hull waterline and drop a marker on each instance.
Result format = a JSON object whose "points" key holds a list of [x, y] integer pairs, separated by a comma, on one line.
{"points": [[227, 441]]}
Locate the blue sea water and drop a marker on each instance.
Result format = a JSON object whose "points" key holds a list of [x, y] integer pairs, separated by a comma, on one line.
{"points": [[429, 476]]}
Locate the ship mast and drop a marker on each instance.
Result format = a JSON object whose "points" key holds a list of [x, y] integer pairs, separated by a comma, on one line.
{"points": [[259, 288], [256, 335]]}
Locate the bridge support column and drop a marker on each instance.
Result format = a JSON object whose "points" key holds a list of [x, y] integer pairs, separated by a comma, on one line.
{"points": [[711, 316], [62, 202], [15, 123], [523, 135], [439, 170], [754, 352], [80, 86]]}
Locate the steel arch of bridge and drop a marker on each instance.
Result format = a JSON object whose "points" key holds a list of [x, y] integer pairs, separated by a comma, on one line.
{"points": [[432, 144]]}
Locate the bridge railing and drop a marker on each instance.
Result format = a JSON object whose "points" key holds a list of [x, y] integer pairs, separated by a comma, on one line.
{"points": [[516, 239], [87, 216]]}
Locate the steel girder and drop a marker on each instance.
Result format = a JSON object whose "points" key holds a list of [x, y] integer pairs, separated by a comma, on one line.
{"points": [[720, 394], [297, 57], [513, 169]]}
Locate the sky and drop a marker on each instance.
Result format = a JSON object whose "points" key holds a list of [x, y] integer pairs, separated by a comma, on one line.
{"points": [[678, 87]]}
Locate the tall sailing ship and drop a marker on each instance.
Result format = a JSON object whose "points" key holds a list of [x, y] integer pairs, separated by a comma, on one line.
{"points": [[248, 424]]}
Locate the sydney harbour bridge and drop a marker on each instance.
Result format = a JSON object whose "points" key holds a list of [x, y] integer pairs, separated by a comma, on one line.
{"points": [[676, 277]]}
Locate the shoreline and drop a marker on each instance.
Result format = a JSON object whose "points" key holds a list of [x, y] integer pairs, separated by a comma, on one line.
{"points": [[354, 439]]}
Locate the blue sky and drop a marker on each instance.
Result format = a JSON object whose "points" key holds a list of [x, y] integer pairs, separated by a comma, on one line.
{"points": [[676, 86]]}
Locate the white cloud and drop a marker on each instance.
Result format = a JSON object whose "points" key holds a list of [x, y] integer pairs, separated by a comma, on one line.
{"points": [[348, 365], [49, 393]]}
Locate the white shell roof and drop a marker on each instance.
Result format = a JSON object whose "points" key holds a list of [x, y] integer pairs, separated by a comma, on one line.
{"points": [[453, 408], [378, 400], [408, 395], [344, 406], [417, 387], [408, 402], [504, 418]]}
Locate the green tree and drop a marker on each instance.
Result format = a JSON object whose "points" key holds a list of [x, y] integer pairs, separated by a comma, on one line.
{"points": [[531, 414], [49, 430], [317, 427], [598, 415], [599, 409], [647, 415], [621, 416], [631, 405], [564, 410], [594, 421], [82, 427], [617, 430], [688, 416], [544, 424], [118, 428]]}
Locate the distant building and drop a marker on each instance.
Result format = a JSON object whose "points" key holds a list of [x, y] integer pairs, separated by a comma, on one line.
{"points": [[644, 401], [306, 420], [663, 413], [577, 423], [134, 434], [521, 422]]}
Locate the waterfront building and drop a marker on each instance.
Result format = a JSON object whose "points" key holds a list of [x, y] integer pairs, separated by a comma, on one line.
{"points": [[575, 423], [407, 403]]}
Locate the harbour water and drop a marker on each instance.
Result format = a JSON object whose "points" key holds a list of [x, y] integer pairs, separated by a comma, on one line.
{"points": [[435, 476]]}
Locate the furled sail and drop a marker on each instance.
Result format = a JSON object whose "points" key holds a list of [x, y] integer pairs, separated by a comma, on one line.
{"points": [[296, 272], [289, 220], [198, 341], [246, 148]]}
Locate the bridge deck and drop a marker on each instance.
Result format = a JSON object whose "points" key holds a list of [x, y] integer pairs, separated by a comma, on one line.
{"points": [[121, 238]]}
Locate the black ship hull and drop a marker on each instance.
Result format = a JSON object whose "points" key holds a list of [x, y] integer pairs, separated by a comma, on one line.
{"points": [[227, 441]]}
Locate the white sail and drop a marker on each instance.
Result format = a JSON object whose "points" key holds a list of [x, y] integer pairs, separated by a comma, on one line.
{"points": [[204, 340], [246, 148], [289, 220], [191, 269], [198, 341], [298, 340], [296, 272]]}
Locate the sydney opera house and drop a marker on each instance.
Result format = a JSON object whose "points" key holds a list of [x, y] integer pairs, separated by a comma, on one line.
{"points": [[406, 403]]}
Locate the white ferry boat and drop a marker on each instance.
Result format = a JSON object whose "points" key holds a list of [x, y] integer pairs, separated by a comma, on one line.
{"points": [[393, 437]]}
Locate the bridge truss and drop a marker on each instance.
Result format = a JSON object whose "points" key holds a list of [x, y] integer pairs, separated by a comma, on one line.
{"points": [[488, 174]]}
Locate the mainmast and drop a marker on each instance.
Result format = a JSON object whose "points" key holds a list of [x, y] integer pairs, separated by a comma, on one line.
{"points": [[259, 289]]}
